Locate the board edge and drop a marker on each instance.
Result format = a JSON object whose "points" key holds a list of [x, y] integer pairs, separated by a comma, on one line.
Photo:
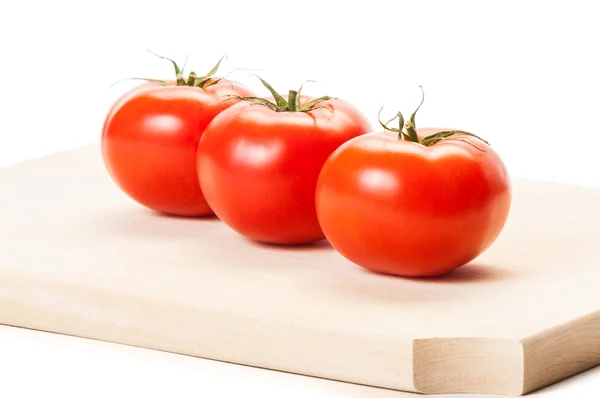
{"points": [[561, 352], [465, 365]]}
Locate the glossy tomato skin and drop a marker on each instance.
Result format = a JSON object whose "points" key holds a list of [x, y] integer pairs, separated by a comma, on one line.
{"points": [[258, 168], [125, 97], [401, 208], [149, 143]]}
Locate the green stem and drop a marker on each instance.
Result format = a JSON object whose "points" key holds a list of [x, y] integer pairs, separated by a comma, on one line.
{"points": [[451, 135], [293, 103], [293, 95], [410, 126], [192, 79], [412, 132]]}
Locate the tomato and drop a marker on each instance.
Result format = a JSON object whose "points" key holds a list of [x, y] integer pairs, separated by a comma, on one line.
{"points": [[258, 163], [127, 95], [396, 206], [150, 136]]}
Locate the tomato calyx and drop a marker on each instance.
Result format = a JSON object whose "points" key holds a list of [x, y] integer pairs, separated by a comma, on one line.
{"points": [[410, 127], [292, 104], [193, 80]]}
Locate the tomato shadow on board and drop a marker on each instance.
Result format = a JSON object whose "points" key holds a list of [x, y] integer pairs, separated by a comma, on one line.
{"points": [[153, 213], [318, 245], [141, 223], [381, 290], [470, 273]]}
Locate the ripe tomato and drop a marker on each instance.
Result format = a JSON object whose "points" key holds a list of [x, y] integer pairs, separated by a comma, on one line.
{"points": [[397, 206], [258, 163], [150, 136]]}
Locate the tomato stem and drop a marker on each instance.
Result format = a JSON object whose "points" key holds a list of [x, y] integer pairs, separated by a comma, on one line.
{"points": [[192, 78], [410, 126], [412, 132], [452, 136], [293, 103], [292, 97], [401, 134], [411, 129]]}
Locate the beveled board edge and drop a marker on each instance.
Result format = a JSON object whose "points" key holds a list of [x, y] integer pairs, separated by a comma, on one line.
{"points": [[468, 365], [561, 352], [507, 367]]}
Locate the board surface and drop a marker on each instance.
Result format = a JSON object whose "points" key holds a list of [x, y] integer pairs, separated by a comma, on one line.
{"points": [[80, 258]]}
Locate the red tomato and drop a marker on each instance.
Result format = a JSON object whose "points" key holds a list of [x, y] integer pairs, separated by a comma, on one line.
{"points": [[125, 97], [258, 165], [399, 207], [150, 137]]}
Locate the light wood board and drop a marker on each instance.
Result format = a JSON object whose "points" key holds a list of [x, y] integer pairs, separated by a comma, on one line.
{"points": [[78, 257]]}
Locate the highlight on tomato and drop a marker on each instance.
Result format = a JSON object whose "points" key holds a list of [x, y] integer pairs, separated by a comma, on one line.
{"points": [[151, 133], [258, 162], [413, 202]]}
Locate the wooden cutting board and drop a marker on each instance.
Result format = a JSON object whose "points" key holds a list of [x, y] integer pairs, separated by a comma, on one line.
{"points": [[80, 258]]}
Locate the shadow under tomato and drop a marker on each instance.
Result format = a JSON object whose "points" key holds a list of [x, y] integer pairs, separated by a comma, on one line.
{"points": [[177, 216], [472, 272], [141, 223], [389, 290], [318, 245], [469, 273]]}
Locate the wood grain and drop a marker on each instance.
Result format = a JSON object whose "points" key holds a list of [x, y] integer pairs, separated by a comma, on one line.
{"points": [[78, 257], [468, 365], [561, 352]]}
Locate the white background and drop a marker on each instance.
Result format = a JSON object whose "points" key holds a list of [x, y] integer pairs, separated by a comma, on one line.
{"points": [[522, 74]]}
